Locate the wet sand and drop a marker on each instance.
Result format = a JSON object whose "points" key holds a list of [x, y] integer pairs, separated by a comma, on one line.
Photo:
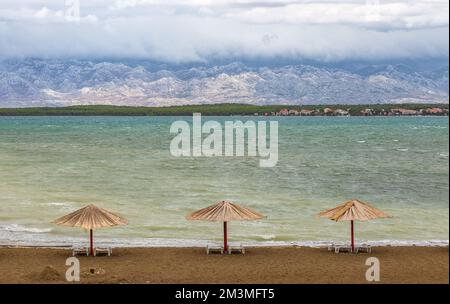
{"points": [[258, 265]]}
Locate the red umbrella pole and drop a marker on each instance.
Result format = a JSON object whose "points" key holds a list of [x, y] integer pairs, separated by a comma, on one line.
{"points": [[225, 237], [353, 236], [91, 238]]}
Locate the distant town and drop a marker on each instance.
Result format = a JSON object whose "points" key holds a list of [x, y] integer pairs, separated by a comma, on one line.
{"points": [[365, 112]]}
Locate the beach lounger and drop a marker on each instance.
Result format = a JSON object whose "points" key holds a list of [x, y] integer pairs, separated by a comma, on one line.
{"points": [[346, 247], [333, 246], [102, 251], [364, 248], [343, 248], [80, 251], [214, 248], [236, 248]]}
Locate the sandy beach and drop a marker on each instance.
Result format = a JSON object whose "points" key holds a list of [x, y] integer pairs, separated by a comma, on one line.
{"points": [[259, 265]]}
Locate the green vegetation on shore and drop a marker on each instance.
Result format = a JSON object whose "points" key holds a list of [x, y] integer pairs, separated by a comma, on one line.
{"points": [[210, 110]]}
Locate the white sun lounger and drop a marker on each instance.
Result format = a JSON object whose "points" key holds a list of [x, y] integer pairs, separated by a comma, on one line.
{"points": [[236, 248], [214, 248], [80, 251], [346, 247], [343, 248], [333, 246], [102, 251], [364, 248]]}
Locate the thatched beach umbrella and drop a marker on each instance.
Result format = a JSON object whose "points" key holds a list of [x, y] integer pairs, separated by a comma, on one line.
{"points": [[225, 212], [90, 218], [353, 210]]}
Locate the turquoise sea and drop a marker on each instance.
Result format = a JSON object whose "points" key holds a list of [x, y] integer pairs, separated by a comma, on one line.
{"points": [[50, 166]]}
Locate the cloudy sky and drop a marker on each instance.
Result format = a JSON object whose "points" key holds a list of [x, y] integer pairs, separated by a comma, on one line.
{"points": [[198, 30]]}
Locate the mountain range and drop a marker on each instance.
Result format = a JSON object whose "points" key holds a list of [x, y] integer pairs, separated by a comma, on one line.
{"points": [[62, 82]]}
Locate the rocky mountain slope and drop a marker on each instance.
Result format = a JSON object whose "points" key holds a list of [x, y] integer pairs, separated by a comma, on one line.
{"points": [[37, 82]]}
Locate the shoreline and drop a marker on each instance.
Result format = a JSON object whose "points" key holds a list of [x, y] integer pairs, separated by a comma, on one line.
{"points": [[260, 265], [252, 246], [220, 115], [239, 109], [188, 243]]}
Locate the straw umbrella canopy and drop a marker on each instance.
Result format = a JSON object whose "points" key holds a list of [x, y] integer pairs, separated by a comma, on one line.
{"points": [[225, 211], [91, 217], [354, 210]]}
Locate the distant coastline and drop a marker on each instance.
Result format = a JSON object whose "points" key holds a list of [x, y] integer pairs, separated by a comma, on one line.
{"points": [[236, 109]]}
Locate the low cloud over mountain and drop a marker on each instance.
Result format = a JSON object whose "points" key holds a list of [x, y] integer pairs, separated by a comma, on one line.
{"points": [[201, 30]]}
